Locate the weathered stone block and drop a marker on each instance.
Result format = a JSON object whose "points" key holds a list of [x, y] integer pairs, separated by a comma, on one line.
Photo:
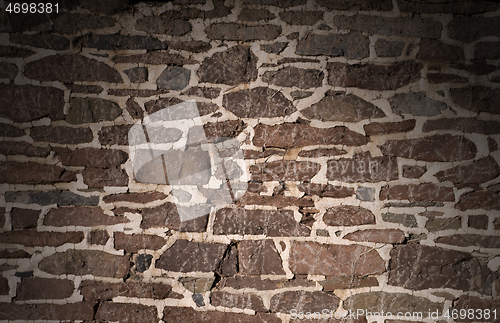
{"points": [[478, 172], [253, 302], [389, 48], [23, 218], [468, 29], [418, 192], [8, 148], [100, 291], [466, 125], [44, 288], [68, 23], [362, 168], [477, 99], [467, 240], [348, 215], [303, 301], [259, 257], [376, 235], [260, 102], [174, 78], [301, 17], [233, 31], [390, 302], [383, 128], [132, 243], [32, 238], [33, 173], [294, 77], [89, 110], [80, 216], [163, 24], [417, 104], [284, 171], [62, 135], [352, 46], [92, 157], [126, 313], [48, 41]]}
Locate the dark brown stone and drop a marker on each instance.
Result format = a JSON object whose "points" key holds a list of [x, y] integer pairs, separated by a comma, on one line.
{"points": [[357, 5], [8, 130], [348, 215], [363, 168], [194, 46], [259, 257], [334, 260], [294, 77], [255, 15], [44, 288], [388, 48], [92, 157], [478, 172], [203, 107], [487, 200], [321, 152], [66, 312], [352, 46], [33, 173], [467, 240], [253, 154], [203, 92], [239, 32], [347, 282], [166, 216], [114, 135], [413, 171], [17, 254], [377, 235], [338, 106], [71, 68], [24, 103], [142, 198], [384, 128], [102, 291], [118, 42], [326, 190], [468, 29], [107, 7], [391, 302], [307, 18], [241, 282], [274, 48], [32, 238], [13, 52], [4, 286], [85, 89], [253, 302], [303, 301], [136, 93], [466, 302], [284, 170], [271, 223], [67, 23], [48, 41], [477, 99], [188, 314], [62, 135], [100, 177], [293, 135], [492, 145], [260, 102], [132, 243], [447, 148], [163, 24], [126, 313], [487, 50], [85, 262], [224, 129], [88, 110], [374, 77], [8, 71], [462, 7], [9, 148], [80, 216], [418, 192], [278, 201], [24, 219], [134, 109], [98, 237], [433, 267], [434, 50], [496, 224], [435, 78], [479, 221], [156, 58]]}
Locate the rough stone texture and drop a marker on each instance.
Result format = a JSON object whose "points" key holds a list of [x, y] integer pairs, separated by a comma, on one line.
{"points": [[101, 291], [390, 302], [137, 74], [466, 125], [416, 104], [362, 168], [142, 198], [373, 77], [8, 130], [273, 223], [334, 260], [44, 288], [433, 50], [388, 48], [303, 301], [408, 220], [204, 92], [71, 68], [66, 312], [417, 192], [284, 171], [471, 302], [11, 51], [48, 41], [294, 77], [98, 237], [118, 42], [239, 32], [365, 194], [346, 282], [254, 302], [102, 158], [446, 148], [478, 172], [32, 173], [163, 25], [302, 17], [356, 5], [486, 200], [477, 99], [486, 50], [62, 135], [80, 216], [183, 314], [85, 89], [159, 57], [375, 235], [290, 135], [242, 282], [126, 313], [443, 224], [274, 48], [257, 257], [260, 101], [255, 15], [435, 78], [32, 238], [325, 190], [8, 71], [465, 240], [348, 215], [352, 46], [468, 29], [166, 216], [462, 7], [479, 222], [101, 177], [92, 110], [114, 135], [23, 219], [73, 23], [381, 128], [132, 243], [22, 148], [173, 78]]}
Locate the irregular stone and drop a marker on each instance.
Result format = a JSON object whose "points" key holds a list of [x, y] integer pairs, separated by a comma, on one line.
{"points": [[260, 102], [416, 26], [293, 135], [274, 48], [334, 260], [188, 314], [466, 302], [174, 78], [384, 128], [143, 262], [434, 50], [33, 173], [391, 302], [479, 221], [255, 15], [159, 57], [136, 93], [137, 74], [284, 170], [443, 224], [142, 198], [297, 95], [204, 92], [163, 24], [307, 18], [33, 238], [468, 29], [486, 50], [44, 288], [101, 177], [197, 285], [8, 130], [4, 286], [107, 7], [436, 78], [25, 103], [346, 282], [357, 5], [48, 41], [294, 77], [194, 46], [259, 257], [374, 77], [239, 32], [126, 313], [321, 152], [100, 291], [466, 125], [413, 171], [377, 235], [302, 301], [463, 7], [62, 135], [187, 256], [224, 129], [162, 103], [446, 148], [92, 157], [71, 68], [348, 215], [418, 192], [118, 42], [13, 52], [166, 216], [478, 172], [66, 312], [80, 216], [85, 89], [365, 194], [477, 99], [233, 66], [114, 135], [362, 168], [388, 48], [470, 240], [352, 46], [23, 219], [408, 220], [476, 68], [132, 243], [271, 223], [9, 148], [242, 282], [417, 104], [327, 190], [68, 23], [8, 71], [434, 267], [253, 154], [98, 237], [253, 302], [90, 110]]}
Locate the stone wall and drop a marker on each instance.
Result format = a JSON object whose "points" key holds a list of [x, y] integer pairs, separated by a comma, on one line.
{"points": [[370, 133]]}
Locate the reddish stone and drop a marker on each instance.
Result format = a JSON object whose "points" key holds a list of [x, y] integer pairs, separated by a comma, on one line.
{"points": [[24, 103], [303, 301], [81, 216], [44, 288], [156, 58], [98, 237], [132, 243], [162, 103], [294, 77], [226, 129], [322, 152], [418, 192], [253, 302], [271, 223], [384, 128], [22, 148], [466, 125], [204, 92], [362, 168], [259, 102], [487, 200], [101, 291], [8, 130], [166, 215], [477, 99], [17, 254], [347, 282], [334, 260], [71, 68], [126, 313], [53, 312], [377, 235], [278, 201], [23, 218], [92, 157], [99, 177], [434, 50], [294, 135], [188, 314], [252, 154], [241, 282], [284, 171], [4, 286], [373, 77], [259, 257], [142, 198], [62, 135], [348, 215], [467, 240], [413, 171], [114, 135], [327, 190], [33, 173], [86, 262], [478, 172], [32, 238]]}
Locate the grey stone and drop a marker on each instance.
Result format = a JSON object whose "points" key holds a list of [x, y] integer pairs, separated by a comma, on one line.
{"points": [[142, 262], [255, 15], [198, 299], [164, 25], [294, 77], [174, 78], [274, 48], [232, 31], [297, 95], [137, 74], [8, 71], [258, 102], [89, 110], [408, 220], [468, 29], [118, 42], [301, 17], [443, 224], [389, 48], [416, 104], [48, 41], [197, 285], [352, 46], [68, 23], [365, 194], [51, 197]]}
